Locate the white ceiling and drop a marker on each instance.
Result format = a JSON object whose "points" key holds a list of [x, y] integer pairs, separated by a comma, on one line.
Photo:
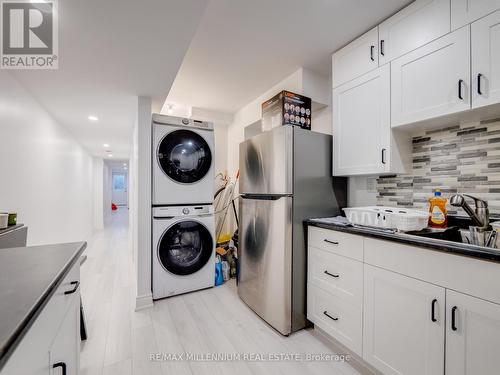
{"points": [[109, 52], [242, 48]]}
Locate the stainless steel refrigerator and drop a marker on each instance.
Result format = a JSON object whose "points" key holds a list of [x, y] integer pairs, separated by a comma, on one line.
{"points": [[285, 178]]}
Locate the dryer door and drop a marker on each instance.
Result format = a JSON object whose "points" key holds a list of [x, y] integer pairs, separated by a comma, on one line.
{"points": [[184, 156], [185, 247]]}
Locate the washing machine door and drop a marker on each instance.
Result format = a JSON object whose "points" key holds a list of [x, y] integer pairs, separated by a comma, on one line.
{"points": [[185, 247], [184, 156]]}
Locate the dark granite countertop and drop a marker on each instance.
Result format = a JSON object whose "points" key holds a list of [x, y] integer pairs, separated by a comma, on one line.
{"points": [[29, 277], [10, 228], [457, 248]]}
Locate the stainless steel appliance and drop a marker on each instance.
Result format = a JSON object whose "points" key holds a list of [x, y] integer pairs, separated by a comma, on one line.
{"points": [[285, 178]]}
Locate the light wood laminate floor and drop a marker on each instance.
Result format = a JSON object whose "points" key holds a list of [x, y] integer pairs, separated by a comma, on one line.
{"points": [[120, 340]]}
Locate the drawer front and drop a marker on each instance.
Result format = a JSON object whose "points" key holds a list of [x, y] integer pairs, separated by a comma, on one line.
{"points": [[341, 276], [341, 320], [348, 245], [62, 301]]}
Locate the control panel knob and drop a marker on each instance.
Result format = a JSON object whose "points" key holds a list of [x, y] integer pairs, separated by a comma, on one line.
{"points": [[185, 121], [185, 211]]}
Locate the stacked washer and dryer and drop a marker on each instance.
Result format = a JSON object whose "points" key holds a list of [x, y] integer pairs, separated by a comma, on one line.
{"points": [[183, 217]]}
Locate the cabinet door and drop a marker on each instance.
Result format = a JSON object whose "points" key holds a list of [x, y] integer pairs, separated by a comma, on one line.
{"points": [[472, 335], [361, 124], [464, 12], [404, 324], [486, 61], [356, 59], [64, 354], [432, 81], [416, 25]]}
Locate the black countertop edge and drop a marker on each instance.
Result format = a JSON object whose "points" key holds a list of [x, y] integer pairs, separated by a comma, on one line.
{"points": [[456, 248], [29, 319], [10, 228]]}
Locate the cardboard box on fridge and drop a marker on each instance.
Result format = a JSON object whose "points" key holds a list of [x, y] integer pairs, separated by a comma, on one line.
{"points": [[286, 108]]}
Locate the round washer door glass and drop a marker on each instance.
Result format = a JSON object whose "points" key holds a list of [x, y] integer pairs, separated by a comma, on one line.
{"points": [[185, 247], [184, 156]]}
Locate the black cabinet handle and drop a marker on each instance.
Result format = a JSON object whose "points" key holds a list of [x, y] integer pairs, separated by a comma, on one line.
{"points": [[331, 274], [460, 83], [454, 318], [382, 42], [383, 155], [479, 76], [433, 310], [332, 242], [328, 315], [76, 284], [372, 48], [62, 365]]}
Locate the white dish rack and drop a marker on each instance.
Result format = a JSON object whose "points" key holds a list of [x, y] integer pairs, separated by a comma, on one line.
{"points": [[401, 219]]}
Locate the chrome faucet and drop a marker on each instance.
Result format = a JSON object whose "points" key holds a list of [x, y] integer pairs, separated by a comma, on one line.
{"points": [[480, 216]]}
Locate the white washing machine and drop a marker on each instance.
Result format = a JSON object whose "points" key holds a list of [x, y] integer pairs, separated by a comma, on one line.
{"points": [[183, 161], [183, 249]]}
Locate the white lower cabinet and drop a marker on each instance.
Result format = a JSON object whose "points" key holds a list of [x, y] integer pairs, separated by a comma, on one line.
{"points": [[64, 356], [403, 324], [397, 306], [54, 337], [472, 335]]}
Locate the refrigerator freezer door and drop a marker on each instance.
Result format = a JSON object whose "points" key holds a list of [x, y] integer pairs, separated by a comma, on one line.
{"points": [[265, 256], [266, 163]]}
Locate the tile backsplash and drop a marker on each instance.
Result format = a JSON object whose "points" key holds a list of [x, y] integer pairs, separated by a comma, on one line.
{"points": [[457, 159]]}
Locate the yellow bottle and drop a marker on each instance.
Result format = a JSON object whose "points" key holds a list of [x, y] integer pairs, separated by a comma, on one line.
{"points": [[438, 216]]}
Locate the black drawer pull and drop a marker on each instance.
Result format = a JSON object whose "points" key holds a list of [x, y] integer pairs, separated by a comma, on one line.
{"points": [[331, 274], [76, 284], [62, 365], [454, 318], [372, 48], [479, 76], [332, 242], [460, 83], [383, 156], [433, 310], [328, 315], [382, 52]]}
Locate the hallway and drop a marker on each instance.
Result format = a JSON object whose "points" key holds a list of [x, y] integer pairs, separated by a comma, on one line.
{"points": [[120, 341]]}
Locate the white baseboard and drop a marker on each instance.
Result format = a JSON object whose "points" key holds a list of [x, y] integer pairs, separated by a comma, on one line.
{"points": [[143, 302]]}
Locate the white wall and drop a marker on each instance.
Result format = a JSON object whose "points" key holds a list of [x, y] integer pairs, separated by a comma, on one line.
{"points": [[106, 192], [46, 176], [98, 192], [140, 207]]}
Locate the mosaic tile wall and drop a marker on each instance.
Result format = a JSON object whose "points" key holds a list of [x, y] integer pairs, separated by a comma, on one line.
{"points": [[457, 159]]}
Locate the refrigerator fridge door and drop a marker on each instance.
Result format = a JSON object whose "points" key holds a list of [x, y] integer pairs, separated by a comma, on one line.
{"points": [[266, 162], [265, 257]]}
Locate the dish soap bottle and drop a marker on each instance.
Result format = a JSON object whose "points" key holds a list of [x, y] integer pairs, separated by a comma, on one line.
{"points": [[438, 216]]}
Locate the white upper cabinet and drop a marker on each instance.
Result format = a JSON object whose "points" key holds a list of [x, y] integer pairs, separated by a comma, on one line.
{"points": [[416, 25], [355, 59], [464, 12], [472, 335], [432, 81], [486, 61], [361, 124], [404, 324]]}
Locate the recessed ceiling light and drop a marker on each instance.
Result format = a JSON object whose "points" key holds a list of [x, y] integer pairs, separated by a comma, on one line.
{"points": [[93, 118], [125, 168], [105, 145], [110, 155], [124, 164]]}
